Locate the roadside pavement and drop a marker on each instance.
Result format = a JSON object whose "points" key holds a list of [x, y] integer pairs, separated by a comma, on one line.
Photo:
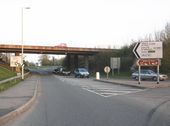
{"points": [[134, 83], [17, 99]]}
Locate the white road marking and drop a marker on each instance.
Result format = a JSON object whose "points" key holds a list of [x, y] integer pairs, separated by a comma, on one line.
{"points": [[104, 90], [95, 92]]}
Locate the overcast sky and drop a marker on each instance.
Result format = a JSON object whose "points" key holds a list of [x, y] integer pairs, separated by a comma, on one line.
{"points": [[81, 23]]}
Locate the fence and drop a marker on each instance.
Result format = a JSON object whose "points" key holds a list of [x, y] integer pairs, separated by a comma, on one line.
{"points": [[13, 78]]}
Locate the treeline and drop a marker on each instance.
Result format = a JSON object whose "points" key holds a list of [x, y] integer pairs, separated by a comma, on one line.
{"points": [[164, 36], [128, 59], [46, 60], [99, 61]]}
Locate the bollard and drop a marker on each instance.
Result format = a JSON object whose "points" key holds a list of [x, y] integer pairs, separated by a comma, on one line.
{"points": [[97, 76]]}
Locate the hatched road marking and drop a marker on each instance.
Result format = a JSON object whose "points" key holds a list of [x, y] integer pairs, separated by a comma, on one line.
{"points": [[102, 89], [110, 91]]}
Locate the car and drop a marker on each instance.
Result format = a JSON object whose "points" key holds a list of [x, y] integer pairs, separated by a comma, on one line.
{"points": [[61, 45], [81, 72], [148, 75], [62, 71]]}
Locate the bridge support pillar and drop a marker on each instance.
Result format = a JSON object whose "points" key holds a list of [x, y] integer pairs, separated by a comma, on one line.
{"points": [[68, 61], [86, 60], [75, 61], [17, 69]]}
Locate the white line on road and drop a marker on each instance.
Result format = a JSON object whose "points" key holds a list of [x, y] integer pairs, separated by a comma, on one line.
{"points": [[104, 90]]}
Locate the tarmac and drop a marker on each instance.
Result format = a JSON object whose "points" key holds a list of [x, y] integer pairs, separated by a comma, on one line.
{"points": [[17, 99]]}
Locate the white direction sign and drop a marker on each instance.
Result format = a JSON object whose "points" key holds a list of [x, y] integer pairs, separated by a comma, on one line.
{"points": [[147, 50], [115, 62], [15, 61]]}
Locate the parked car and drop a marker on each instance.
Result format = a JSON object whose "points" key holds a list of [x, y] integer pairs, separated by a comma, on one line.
{"points": [[62, 71], [148, 75], [81, 72]]}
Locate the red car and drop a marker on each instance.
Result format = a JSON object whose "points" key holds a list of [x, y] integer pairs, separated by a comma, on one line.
{"points": [[62, 45]]}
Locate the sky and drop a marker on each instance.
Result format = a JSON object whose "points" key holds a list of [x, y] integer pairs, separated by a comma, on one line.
{"points": [[81, 23]]}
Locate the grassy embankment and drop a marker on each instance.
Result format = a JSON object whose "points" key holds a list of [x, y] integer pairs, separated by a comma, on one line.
{"points": [[5, 74]]}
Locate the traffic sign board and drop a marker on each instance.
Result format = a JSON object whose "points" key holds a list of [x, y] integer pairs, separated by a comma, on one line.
{"points": [[107, 69], [148, 50], [115, 62], [15, 61], [148, 62]]}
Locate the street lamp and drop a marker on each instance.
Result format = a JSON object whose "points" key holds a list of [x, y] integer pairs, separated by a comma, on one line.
{"points": [[22, 40]]}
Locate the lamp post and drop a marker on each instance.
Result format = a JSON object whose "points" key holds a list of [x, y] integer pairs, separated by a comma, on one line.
{"points": [[22, 41]]}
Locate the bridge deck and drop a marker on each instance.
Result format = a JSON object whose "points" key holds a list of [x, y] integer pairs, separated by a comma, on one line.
{"points": [[51, 49]]}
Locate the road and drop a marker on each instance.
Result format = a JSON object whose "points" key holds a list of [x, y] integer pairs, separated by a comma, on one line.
{"points": [[66, 101]]}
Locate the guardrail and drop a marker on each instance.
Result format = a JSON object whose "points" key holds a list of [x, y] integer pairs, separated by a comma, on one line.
{"points": [[13, 78]]}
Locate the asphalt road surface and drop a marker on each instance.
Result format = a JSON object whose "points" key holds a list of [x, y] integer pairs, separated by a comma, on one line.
{"points": [[66, 101]]}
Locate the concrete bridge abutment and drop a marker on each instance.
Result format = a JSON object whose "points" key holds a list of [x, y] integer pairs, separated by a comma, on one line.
{"points": [[73, 61]]}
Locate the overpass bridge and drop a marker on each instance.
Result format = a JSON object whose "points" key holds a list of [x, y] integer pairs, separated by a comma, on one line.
{"points": [[51, 49], [69, 51]]}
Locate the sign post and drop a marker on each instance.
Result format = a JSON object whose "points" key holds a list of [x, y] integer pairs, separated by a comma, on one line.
{"points": [[15, 61], [148, 54], [149, 62], [139, 77], [157, 74], [115, 64], [107, 70]]}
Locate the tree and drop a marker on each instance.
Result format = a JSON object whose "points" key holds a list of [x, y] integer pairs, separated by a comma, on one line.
{"points": [[27, 63], [44, 60], [165, 65], [100, 60], [127, 57]]}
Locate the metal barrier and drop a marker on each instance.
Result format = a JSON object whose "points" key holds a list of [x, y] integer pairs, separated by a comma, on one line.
{"points": [[13, 78]]}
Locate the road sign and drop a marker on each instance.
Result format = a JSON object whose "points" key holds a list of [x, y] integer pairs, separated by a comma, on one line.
{"points": [[107, 69], [148, 62], [115, 62], [149, 50], [15, 61]]}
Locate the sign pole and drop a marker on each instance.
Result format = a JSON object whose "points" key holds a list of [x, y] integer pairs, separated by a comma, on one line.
{"points": [[158, 73], [112, 71], [107, 70], [139, 77]]}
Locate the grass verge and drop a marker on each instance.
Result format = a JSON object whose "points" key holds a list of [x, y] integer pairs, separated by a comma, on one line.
{"points": [[7, 85], [5, 73]]}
